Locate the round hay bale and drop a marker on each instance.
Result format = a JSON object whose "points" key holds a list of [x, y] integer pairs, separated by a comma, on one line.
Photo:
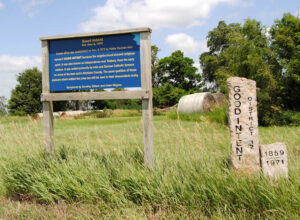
{"points": [[220, 99], [196, 103]]}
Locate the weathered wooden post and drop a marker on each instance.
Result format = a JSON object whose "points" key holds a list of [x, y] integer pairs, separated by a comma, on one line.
{"points": [[147, 103], [47, 105]]}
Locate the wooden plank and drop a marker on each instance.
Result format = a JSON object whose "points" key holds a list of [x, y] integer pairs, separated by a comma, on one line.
{"points": [[47, 105], [139, 94], [45, 67], [93, 34], [48, 127], [146, 78]]}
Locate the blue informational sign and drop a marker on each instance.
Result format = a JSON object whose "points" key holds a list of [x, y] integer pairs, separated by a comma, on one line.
{"points": [[95, 63]]}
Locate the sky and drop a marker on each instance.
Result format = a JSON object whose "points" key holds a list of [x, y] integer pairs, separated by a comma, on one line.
{"points": [[175, 24]]}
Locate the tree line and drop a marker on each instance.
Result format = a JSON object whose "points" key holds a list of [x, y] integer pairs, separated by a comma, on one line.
{"points": [[268, 55]]}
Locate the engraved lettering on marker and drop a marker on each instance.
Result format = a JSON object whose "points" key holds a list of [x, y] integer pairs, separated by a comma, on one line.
{"points": [[243, 124], [274, 160]]}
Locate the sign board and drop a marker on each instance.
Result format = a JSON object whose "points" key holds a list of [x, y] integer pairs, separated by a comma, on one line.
{"points": [[92, 61], [95, 62]]}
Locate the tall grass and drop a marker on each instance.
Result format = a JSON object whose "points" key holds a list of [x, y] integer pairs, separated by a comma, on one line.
{"points": [[100, 161], [218, 115]]}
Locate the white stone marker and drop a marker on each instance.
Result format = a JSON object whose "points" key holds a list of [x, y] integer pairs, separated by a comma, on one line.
{"points": [[274, 160], [243, 123]]}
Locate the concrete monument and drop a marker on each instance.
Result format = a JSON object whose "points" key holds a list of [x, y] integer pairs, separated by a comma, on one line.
{"points": [[243, 123], [274, 160]]}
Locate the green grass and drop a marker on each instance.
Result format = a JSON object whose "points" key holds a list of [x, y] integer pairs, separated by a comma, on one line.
{"points": [[292, 118], [218, 115], [117, 113], [98, 168]]}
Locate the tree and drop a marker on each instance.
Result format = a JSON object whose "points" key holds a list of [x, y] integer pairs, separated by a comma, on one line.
{"points": [[116, 104], [286, 43], [179, 72], [25, 97], [62, 105], [156, 75], [239, 51], [167, 95], [173, 77], [3, 109], [244, 51]]}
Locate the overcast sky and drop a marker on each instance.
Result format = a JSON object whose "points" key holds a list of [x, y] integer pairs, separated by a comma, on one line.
{"points": [[176, 24]]}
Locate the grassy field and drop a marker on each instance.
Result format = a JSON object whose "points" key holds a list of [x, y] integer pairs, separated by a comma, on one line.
{"points": [[98, 172]]}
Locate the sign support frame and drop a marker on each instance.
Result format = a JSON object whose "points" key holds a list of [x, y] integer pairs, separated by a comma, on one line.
{"points": [[145, 94]]}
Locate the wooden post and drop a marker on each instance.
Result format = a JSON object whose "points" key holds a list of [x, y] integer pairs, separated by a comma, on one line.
{"points": [[47, 105], [147, 103]]}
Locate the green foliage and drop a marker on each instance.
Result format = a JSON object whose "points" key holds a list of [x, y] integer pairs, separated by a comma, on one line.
{"points": [[156, 75], [62, 106], [172, 78], [25, 97], [290, 118], [167, 95], [286, 43], [123, 104], [3, 107], [117, 104], [245, 51], [179, 71], [242, 51]]}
